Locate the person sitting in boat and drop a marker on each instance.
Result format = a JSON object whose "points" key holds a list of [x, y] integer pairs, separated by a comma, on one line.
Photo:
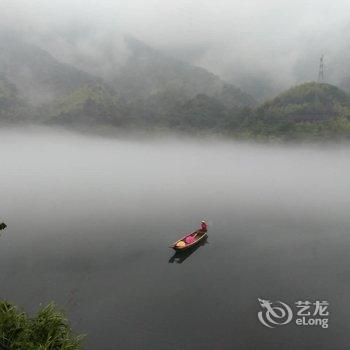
{"points": [[204, 226]]}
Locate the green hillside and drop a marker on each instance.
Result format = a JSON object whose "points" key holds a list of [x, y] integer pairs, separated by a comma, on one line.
{"points": [[232, 97], [202, 113], [149, 72], [90, 104], [11, 106], [151, 91], [306, 102], [310, 110]]}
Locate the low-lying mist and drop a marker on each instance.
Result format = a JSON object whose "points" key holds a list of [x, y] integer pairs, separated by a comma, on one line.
{"points": [[70, 177]]}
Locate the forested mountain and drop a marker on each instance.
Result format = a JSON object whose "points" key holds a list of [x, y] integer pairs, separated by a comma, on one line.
{"points": [[151, 90], [38, 77], [198, 113], [12, 108], [148, 72], [307, 102], [310, 110], [89, 105], [157, 86]]}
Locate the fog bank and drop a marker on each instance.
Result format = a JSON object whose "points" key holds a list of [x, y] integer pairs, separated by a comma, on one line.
{"points": [[81, 176]]}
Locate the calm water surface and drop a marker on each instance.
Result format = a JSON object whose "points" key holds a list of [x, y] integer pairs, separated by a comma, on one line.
{"points": [[90, 221]]}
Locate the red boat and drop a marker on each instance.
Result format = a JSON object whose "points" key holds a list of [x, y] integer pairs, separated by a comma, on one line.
{"points": [[189, 240]]}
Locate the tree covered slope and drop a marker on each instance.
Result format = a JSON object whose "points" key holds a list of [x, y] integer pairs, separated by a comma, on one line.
{"points": [[310, 110], [151, 90], [38, 77]]}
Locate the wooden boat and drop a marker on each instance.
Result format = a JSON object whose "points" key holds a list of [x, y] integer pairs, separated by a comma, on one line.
{"points": [[181, 255], [194, 237]]}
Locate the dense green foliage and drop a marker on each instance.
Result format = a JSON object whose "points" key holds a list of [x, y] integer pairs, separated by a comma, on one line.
{"points": [[232, 97], [48, 330], [201, 112], [91, 104], [308, 111]]}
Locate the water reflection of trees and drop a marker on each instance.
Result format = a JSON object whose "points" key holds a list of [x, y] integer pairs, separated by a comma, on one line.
{"points": [[180, 256]]}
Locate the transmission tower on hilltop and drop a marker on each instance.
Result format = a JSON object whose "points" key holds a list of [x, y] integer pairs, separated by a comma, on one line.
{"points": [[321, 70]]}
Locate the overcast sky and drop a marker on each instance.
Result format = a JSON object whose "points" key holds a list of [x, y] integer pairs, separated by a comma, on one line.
{"points": [[280, 37]]}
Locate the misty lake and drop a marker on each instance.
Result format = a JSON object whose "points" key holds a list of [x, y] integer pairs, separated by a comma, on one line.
{"points": [[90, 220]]}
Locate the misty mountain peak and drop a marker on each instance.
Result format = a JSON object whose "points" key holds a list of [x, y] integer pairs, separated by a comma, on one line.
{"points": [[37, 75]]}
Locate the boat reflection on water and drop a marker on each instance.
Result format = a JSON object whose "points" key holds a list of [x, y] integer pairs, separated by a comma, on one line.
{"points": [[180, 256]]}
